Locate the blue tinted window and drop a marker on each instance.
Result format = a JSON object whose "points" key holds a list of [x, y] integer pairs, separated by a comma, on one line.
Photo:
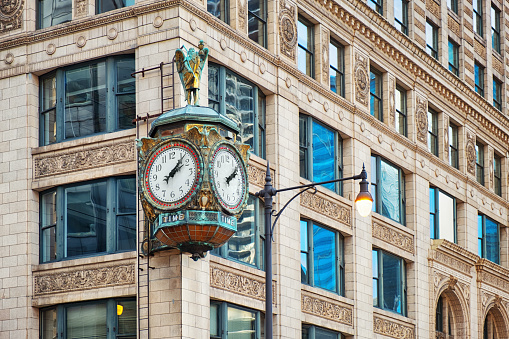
{"points": [[390, 191], [323, 154], [389, 282], [492, 243], [324, 258]]}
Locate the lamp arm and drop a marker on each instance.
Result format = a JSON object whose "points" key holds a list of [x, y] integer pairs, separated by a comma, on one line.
{"points": [[355, 177]]}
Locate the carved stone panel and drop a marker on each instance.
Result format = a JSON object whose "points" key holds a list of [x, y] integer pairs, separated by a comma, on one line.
{"points": [[497, 65], [393, 237], [242, 7], [446, 137], [421, 116], [453, 25], [433, 7], [361, 73], [75, 280], [480, 49], [491, 154], [84, 158], [287, 29], [81, 7], [327, 207], [325, 56], [326, 309], [392, 101], [470, 153], [10, 15], [256, 175], [392, 329], [450, 261]]}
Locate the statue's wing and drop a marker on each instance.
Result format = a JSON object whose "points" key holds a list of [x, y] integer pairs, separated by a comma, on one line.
{"points": [[179, 60], [204, 53]]}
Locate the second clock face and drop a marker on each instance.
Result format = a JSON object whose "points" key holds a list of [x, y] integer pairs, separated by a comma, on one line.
{"points": [[172, 174], [229, 177]]}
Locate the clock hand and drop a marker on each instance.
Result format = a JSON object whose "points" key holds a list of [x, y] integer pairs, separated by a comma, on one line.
{"points": [[231, 176], [175, 169]]}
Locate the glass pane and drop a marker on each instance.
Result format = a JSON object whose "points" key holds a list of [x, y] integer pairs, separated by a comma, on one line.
{"points": [[321, 333], [492, 245], [49, 212], [304, 35], [446, 220], [432, 211], [126, 105], [49, 218], [333, 56], [323, 155], [398, 10], [126, 317], [49, 127], [109, 5], [49, 328], [305, 332], [85, 219], [241, 324], [217, 8], [126, 232], [241, 245], [214, 320], [54, 12], [239, 100], [126, 195], [374, 264], [389, 182], [392, 283], [125, 82], [86, 321], [304, 246], [85, 100], [49, 93], [213, 87], [49, 250], [480, 235], [324, 258], [256, 29]]}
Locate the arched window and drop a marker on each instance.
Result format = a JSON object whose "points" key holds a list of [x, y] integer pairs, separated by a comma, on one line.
{"points": [[490, 328], [444, 323]]}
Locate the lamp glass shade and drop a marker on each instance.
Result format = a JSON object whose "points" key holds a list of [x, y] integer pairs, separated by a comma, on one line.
{"points": [[364, 203]]}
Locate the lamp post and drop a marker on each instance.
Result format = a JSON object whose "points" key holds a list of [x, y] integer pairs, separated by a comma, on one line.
{"points": [[363, 203]]}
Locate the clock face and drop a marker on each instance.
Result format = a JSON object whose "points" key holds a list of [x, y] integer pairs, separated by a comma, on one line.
{"points": [[228, 177], [172, 175]]}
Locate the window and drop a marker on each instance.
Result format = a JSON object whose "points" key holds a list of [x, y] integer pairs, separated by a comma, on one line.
{"points": [[387, 189], [220, 9], [87, 99], [315, 332], [497, 94], [490, 330], [109, 5], [453, 5], [454, 58], [444, 319], [377, 5], [401, 114], [51, 12], [246, 245], [488, 238], [431, 39], [497, 173], [321, 257], [401, 15], [389, 282], [433, 132], [306, 50], [241, 101], [479, 162], [88, 218], [337, 67], [257, 21], [320, 153], [92, 319], [453, 146], [479, 79], [477, 18], [232, 321], [442, 215], [495, 28], [375, 90]]}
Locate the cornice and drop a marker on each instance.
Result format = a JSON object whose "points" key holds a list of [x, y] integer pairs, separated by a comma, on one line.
{"points": [[453, 256]]}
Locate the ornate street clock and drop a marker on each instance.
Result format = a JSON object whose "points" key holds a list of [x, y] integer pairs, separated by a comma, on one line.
{"points": [[192, 172]]}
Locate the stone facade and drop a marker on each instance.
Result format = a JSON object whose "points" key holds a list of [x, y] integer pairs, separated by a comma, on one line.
{"points": [[174, 293]]}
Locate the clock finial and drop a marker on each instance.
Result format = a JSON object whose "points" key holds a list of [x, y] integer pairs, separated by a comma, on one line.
{"points": [[190, 69]]}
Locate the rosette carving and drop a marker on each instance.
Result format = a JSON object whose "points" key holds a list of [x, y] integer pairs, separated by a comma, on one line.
{"points": [[361, 73], [287, 29], [470, 153], [10, 15], [421, 116]]}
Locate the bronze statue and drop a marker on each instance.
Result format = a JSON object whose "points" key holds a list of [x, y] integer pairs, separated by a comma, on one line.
{"points": [[190, 68]]}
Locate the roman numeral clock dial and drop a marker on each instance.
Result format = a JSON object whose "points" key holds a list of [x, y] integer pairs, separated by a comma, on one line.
{"points": [[229, 179], [173, 174]]}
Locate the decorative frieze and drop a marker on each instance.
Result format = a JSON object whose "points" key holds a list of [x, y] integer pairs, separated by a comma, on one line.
{"points": [[453, 25], [468, 54], [394, 237], [470, 153], [419, 11], [493, 280], [451, 262], [467, 37], [336, 311], [420, 41], [420, 26], [497, 65], [238, 282], [82, 279], [480, 49], [256, 175], [468, 11], [433, 8], [84, 158], [11, 15], [287, 29], [327, 207], [392, 328], [421, 117], [361, 73], [446, 137]]}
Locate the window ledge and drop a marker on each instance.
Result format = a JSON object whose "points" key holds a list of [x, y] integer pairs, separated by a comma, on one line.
{"points": [[97, 261], [385, 322], [393, 237]]}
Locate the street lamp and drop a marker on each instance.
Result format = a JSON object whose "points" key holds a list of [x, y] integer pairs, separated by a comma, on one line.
{"points": [[363, 202]]}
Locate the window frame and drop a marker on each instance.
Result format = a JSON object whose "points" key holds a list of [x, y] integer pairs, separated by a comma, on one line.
{"points": [[259, 106], [453, 5], [259, 19], [454, 65], [403, 22], [39, 22], [495, 28], [453, 146], [376, 187], [374, 74], [379, 279], [432, 49], [222, 318], [306, 148], [341, 62], [497, 94], [377, 6], [479, 78], [401, 113], [59, 239], [497, 174], [435, 214], [478, 17], [224, 12], [482, 238], [112, 117], [309, 49], [479, 162], [433, 131], [312, 332], [308, 253], [98, 4]]}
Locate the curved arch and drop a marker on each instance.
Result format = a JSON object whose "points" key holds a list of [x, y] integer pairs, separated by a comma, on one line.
{"points": [[500, 317], [458, 305]]}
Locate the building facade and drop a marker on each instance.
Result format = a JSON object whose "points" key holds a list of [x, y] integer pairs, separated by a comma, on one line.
{"points": [[414, 90]]}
